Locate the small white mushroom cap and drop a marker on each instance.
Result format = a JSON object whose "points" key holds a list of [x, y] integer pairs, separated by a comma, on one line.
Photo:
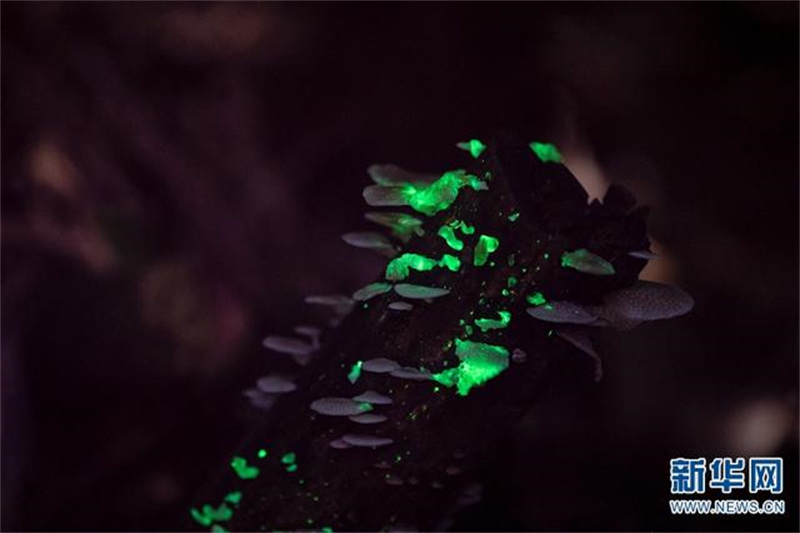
{"points": [[419, 292], [643, 254], [368, 418], [585, 261], [288, 345], [647, 300], [394, 175], [380, 365], [275, 384], [562, 312], [518, 355], [339, 407], [371, 290], [367, 239], [341, 304], [401, 306], [408, 372], [367, 441], [379, 195], [375, 398], [339, 444]]}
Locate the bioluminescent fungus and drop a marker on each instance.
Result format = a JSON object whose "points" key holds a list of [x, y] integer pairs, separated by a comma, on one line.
{"points": [[275, 384], [372, 397], [288, 458], [473, 146], [368, 418], [486, 324], [398, 268], [465, 228], [370, 291], [380, 365], [449, 235], [210, 514], [242, 469], [479, 362], [580, 339], [262, 453], [546, 152], [288, 345], [366, 441], [585, 261], [401, 306], [537, 298], [355, 372], [513, 216], [233, 497], [643, 254], [562, 312], [339, 407], [441, 194], [402, 225], [419, 292], [486, 245], [368, 239], [216, 528], [450, 262]]}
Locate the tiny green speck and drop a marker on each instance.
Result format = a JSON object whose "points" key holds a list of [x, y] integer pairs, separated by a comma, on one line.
{"points": [[262, 453], [513, 216]]}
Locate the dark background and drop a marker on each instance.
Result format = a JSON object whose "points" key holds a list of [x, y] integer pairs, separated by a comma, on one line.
{"points": [[175, 178]]}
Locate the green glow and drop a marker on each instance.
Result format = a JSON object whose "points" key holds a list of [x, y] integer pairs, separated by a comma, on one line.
{"points": [[480, 362], [546, 152], [585, 261], [239, 465], [511, 281], [537, 298], [468, 330], [465, 228], [292, 468], [216, 528], [451, 262], [403, 226], [399, 268], [485, 246], [210, 515], [513, 216], [437, 196], [262, 453], [326, 529], [485, 324], [289, 458], [473, 146], [355, 372], [546, 256], [449, 236], [365, 406], [233, 497]]}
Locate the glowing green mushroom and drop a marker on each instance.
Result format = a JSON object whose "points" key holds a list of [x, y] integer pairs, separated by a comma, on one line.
{"points": [[240, 466], [485, 324], [473, 146], [585, 261], [486, 245], [449, 235], [546, 152], [439, 195], [480, 362]]}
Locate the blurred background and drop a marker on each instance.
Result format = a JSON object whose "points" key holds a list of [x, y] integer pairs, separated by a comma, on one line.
{"points": [[175, 178]]}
